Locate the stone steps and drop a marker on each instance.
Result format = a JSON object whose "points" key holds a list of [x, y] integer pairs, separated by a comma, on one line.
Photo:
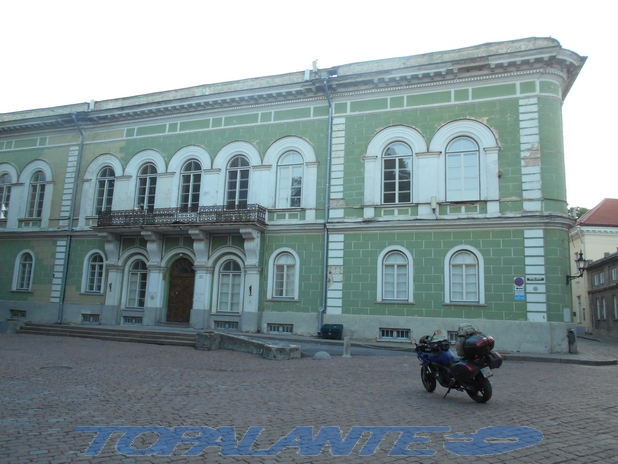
{"points": [[154, 337]]}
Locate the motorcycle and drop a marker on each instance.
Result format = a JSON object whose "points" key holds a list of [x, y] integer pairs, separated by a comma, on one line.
{"points": [[469, 373]]}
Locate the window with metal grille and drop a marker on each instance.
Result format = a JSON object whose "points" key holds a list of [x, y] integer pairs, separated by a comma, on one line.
{"points": [[226, 325], [18, 313], [280, 328], [394, 334], [131, 320], [90, 319], [452, 337]]}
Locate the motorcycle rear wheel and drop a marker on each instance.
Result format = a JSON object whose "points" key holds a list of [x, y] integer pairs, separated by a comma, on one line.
{"points": [[482, 391], [429, 381]]}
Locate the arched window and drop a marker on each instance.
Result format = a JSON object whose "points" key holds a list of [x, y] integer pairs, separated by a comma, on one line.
{"points": [[462, 170], [230, 281], [395, 277], [22, 281], [237, 190], [397, 173], [105, 190], [190, 183], [285, 276], [94, 279], [464, 277], [37, 195], [5, 195], [136, 291], [146, 187], [289, 180]]}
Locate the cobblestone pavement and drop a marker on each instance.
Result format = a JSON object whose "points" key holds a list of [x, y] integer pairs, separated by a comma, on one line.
{"points": [[51, 385]]}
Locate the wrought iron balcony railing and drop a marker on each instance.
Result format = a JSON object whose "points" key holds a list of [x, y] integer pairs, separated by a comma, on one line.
{"points": [[172, 216]]}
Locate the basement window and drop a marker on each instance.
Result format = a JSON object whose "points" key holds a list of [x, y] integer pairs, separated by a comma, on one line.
{"points": [[395, 334], [280, 328], [226, 325], [91, 319], [131, 320], [18, 313]]}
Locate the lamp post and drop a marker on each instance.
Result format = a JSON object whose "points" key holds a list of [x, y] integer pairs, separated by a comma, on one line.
{"points": [[580, 262]]}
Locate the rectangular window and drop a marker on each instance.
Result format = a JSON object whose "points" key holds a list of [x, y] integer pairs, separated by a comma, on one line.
{"points": [[602, 278], [230, 325], [615, 298], [596, 279], [280, 328], [614, 274], [603, 309], [394, 334]]}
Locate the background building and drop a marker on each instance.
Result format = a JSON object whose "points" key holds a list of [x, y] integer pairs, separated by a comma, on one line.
{"points": [[394, 197], [596, 235]]}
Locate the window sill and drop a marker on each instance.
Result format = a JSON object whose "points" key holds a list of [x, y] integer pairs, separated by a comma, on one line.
{"points": [[395, 302], [17, 290], [279, 300], [463, 303]]}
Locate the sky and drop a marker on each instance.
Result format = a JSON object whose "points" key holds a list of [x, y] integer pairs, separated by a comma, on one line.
{"points": [[61, 52]]}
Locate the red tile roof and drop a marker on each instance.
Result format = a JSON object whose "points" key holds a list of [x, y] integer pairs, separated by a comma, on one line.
{"points": [[603, 214]]}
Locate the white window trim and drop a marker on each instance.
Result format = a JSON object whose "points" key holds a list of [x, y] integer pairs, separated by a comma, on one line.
{"points": [[89, 185], [222, 256], [447, 275], [86, 270], [381, 257], [132, 171], [310, 169], [6, 168], [271, 274], [125, 280], [26, 179], [373, 161], [221, 162], [16, 269], [180, 158], [488, 155]]}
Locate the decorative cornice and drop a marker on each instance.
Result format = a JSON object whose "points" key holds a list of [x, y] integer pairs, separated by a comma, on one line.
{"points": [[502, 60]]}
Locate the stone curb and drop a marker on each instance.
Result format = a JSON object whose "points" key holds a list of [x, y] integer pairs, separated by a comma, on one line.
{"points": [[532, 357]]}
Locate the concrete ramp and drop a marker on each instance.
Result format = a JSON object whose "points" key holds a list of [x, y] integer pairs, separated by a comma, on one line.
{"points": [[210, 341]]}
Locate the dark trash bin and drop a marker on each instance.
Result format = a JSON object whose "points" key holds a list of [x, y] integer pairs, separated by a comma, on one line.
{"points": [[332, 331]]}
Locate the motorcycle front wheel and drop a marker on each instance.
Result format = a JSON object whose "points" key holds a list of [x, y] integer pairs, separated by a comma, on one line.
{"points": [[481, 393], [429, 381]]}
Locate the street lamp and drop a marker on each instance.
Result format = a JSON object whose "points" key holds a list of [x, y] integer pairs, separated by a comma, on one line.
{"points": [[580, 262]]}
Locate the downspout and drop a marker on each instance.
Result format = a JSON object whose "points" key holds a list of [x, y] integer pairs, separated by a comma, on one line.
{"points": [[65, 266], [326, 202]]}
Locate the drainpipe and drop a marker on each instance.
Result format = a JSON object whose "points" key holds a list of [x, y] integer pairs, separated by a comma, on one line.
{"points": [[326, 201], [65, 266]]}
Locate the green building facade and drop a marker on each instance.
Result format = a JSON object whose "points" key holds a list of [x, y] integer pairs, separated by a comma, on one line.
{"points": [[394, 197]]}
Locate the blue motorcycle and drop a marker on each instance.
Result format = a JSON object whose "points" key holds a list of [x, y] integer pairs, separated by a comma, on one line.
{"points": [[469, 373]]}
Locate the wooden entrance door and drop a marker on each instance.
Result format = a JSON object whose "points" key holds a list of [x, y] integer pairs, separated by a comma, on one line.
{"points": [[180, 299]]}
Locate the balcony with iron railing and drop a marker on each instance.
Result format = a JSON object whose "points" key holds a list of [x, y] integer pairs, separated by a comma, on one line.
{"points": [[201, 215]]}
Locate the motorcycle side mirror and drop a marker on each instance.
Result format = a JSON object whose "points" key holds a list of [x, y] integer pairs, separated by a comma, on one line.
{"points": [[413, 341], [437, 332]]}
